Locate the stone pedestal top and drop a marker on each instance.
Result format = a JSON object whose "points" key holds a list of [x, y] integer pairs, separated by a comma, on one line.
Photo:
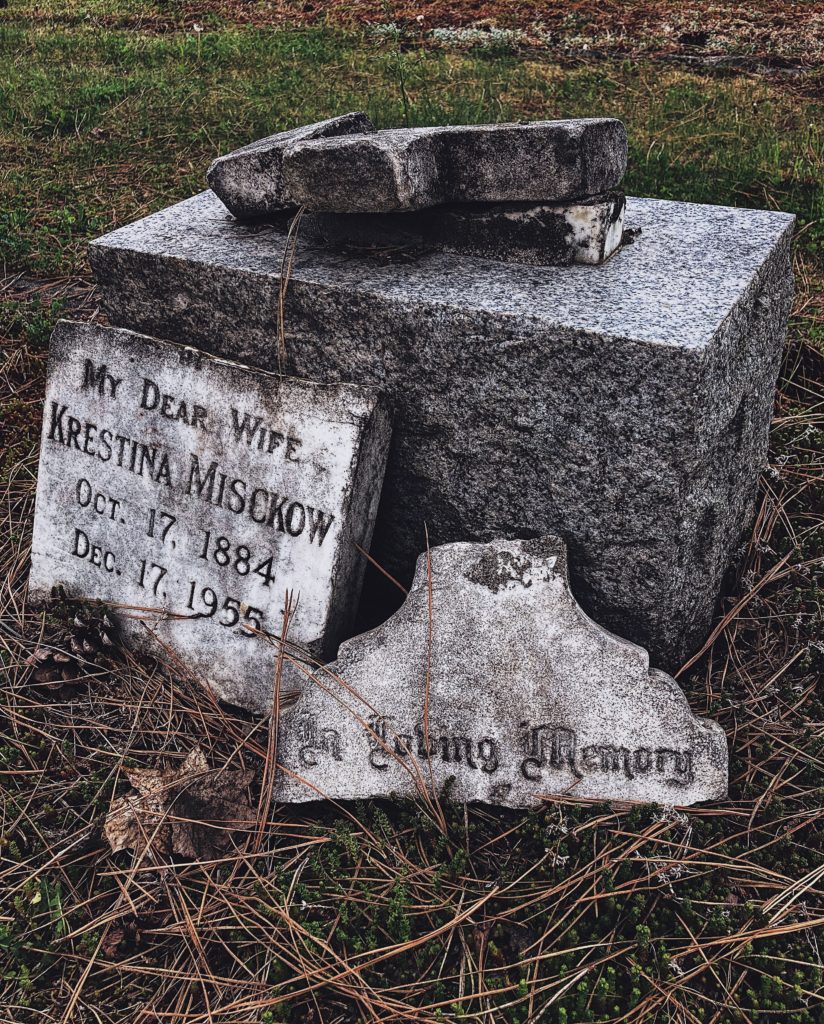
{"points": [[673, 286]]}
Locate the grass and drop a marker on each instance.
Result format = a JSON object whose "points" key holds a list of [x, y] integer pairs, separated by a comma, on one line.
{"points": [[97, 127], [381, 912]]}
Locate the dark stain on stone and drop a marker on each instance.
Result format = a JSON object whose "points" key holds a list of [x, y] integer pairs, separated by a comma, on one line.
{"points": [[494, 570], [546, 547]]}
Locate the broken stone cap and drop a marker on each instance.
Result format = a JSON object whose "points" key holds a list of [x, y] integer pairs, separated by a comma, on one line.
{"points": [[490, 683], [415, 168], [585, 231], [249, 180]]}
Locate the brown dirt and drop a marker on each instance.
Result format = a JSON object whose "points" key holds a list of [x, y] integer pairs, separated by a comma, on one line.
{"points": [[772, 33]]}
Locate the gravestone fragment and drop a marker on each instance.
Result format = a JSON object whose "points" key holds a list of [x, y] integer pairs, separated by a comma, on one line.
{"points": [[413, 168], [625, 407], [197, 493], [491, 682], [543, 234], [249, 180]]}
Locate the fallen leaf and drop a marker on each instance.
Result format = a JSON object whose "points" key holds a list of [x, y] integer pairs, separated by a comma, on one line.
{"points": [[114, 938], [123, 937], [190, 811]]}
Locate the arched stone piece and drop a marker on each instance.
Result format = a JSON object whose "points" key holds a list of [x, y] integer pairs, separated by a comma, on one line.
{"points": [[519, 693]]}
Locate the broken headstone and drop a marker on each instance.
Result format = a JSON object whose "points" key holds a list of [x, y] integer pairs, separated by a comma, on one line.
{"points": [[413, 168], [198, 493], [491, 681], [249, 181]]}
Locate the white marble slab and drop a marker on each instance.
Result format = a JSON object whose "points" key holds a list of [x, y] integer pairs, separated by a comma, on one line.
{"points": [[204, 491], [490, 683]]}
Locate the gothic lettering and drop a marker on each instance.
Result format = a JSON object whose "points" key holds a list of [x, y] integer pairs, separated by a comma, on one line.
{"points": [[552, 747]]}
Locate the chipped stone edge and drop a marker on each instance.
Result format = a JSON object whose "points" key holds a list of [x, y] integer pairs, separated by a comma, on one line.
{"points": [[260, 163]]}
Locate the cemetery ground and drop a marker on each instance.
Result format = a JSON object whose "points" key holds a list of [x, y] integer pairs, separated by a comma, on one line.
{"points": [[425, 910]]}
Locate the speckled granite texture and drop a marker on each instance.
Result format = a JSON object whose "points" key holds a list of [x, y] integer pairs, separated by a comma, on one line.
{"points": [[413, 168], [250, 180], [624, 406]]}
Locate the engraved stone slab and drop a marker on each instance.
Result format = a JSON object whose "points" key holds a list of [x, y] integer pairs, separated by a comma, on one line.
{"points": [[542, 234], [412, 168], [624, 407], [249, 180], [203, 491], [504, 692]]}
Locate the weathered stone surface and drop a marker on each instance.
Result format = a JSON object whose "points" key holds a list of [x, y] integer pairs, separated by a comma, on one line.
{"points": [[542, 234], [518, 693], [624, 406], [202, 491], [412, 168], [249, 181]]}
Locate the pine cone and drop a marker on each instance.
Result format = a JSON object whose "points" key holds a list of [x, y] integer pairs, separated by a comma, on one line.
{"points": [[53, 669], [94, 634], [91, 639]]}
